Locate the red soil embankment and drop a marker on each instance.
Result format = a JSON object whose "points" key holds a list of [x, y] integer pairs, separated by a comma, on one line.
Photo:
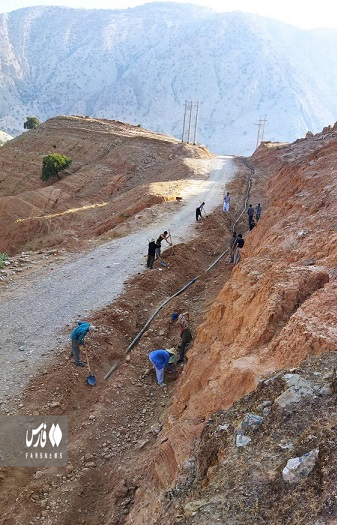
{"points": [[277, 307]]}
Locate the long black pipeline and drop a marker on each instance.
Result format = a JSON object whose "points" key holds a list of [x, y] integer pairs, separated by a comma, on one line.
{"points": [[147, 324], [158, 310]]}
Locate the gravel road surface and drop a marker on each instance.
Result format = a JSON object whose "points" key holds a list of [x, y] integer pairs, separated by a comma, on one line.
{"points": [[35, 310]]}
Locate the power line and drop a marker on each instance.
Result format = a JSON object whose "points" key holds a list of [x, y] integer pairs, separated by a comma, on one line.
{"points": [[264, 127]]}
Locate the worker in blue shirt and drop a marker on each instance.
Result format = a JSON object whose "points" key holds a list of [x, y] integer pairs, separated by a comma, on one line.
{"points": [[160, 360], [77, 339]]}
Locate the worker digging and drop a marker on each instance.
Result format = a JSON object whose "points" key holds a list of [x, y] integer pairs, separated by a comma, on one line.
{"points": [[160, 360], [77, 339], [182, 321]]}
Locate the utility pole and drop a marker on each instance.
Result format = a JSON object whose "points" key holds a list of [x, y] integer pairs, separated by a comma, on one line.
{"points": [[182, 138], [260, 124], [189, 108], [195, 123], [189, 123], [264, 127]]}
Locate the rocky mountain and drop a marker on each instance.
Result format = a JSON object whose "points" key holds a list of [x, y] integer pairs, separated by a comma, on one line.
{"points": [[142, 65]]}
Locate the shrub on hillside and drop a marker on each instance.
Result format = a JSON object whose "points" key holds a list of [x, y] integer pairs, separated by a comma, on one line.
{"points": [[53, 164], [3, 258], [31, 123]]}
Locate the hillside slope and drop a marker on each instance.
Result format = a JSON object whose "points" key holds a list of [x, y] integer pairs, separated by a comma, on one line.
{"points": [[117, 172]]}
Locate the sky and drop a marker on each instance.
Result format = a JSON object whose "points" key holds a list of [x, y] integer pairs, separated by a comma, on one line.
{"points": [[300, 13]]}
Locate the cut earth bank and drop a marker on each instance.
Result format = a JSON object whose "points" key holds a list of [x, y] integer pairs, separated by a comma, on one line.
{"points": [[133, 446]]}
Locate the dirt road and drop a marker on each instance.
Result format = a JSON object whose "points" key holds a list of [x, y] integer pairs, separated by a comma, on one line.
{"points": [[38, 312]]}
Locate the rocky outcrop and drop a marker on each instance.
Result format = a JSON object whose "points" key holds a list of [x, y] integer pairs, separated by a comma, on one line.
{"points": [[262, 460]]}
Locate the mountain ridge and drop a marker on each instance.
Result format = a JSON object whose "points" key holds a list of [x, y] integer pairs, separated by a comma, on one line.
{"points": [[142, 64]]}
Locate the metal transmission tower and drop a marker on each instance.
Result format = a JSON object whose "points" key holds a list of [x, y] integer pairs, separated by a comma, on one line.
{"points": [[261, 124], [188, 113]]}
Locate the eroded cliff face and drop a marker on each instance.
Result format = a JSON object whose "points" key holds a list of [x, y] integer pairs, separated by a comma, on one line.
{"points": [[277, 308]]}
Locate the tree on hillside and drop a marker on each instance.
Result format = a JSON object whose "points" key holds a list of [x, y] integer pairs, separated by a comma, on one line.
{"points": [[52, 165], [31, 123]]}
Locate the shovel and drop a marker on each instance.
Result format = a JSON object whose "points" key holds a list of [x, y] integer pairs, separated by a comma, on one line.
{"points": [[91, 379], [172, 253]]}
